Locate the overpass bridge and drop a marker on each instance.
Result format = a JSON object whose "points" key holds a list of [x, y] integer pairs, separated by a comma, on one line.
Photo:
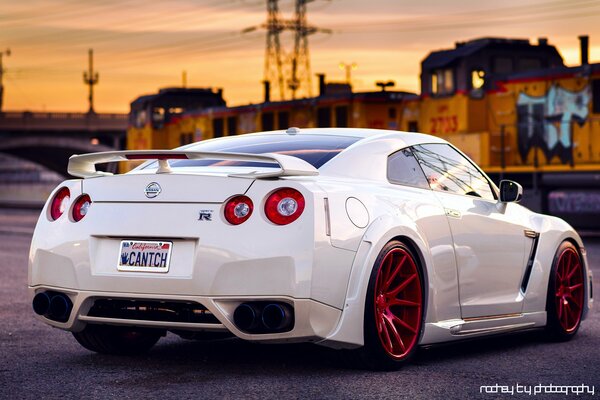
{"points": [[50, 138]]}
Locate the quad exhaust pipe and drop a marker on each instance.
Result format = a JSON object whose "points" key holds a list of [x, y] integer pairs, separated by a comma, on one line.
{"points": [[264, 317], [53, 305]]}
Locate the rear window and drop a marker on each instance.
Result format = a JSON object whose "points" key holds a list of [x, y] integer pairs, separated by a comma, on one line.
{"points": [[314, 149]]}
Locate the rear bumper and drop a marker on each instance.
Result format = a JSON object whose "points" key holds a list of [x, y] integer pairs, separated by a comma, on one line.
{"points": [[313, 322]]}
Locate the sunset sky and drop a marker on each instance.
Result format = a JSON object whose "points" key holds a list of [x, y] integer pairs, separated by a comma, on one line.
{"points": [[143, 45]]}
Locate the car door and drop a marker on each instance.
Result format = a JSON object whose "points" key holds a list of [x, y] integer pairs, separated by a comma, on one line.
{"points": [[489, 237]]}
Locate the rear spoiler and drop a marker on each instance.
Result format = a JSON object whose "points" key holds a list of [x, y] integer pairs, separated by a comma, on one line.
{"points": [[84, 165]]}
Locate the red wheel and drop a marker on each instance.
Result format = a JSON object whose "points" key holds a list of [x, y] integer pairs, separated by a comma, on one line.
{"points": [[565, 292], [394, 313]]}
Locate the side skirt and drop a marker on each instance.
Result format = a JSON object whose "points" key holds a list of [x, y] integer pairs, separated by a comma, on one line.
{"points": [[457, 329]]}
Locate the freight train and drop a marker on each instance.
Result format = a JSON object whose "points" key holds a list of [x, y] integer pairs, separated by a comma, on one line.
{"points": [[513, 106]]}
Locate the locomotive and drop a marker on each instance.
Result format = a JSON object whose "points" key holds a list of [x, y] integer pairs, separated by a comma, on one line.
{"points": [[512, 106]]}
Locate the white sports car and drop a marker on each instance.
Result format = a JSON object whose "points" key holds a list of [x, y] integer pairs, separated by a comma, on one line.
{"points": [[368, 240]]}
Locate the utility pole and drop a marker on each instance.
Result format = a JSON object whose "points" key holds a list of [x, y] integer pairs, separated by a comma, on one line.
{"points": [[349, 68], [90, 78], [383, 85], [2, 53]]}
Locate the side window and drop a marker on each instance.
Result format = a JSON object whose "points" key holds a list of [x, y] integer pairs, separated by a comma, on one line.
{"points": [[447, 170], [404, 169]]}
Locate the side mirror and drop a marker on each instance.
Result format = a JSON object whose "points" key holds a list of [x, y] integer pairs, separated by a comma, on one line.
{"points": [[510, 192]]}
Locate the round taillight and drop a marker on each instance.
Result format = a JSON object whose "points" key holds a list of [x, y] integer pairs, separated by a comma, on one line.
{"points": [[284, 206], [238, 209], [81, 207], [60, 203]]}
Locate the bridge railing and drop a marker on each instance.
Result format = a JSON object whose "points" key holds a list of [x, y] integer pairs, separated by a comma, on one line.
{"points": [[60, 121]]}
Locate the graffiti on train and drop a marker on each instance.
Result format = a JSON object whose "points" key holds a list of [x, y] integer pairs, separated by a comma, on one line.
{"points": [[546, 122]]}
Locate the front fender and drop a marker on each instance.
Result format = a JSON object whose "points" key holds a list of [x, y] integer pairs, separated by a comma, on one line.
{"points": [[553, 231]]}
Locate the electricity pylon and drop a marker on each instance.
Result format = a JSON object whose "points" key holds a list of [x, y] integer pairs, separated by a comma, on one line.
{"points": [[90, 78]]}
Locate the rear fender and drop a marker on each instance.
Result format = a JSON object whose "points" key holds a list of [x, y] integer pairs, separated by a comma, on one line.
{"points": [[47, 231], [378, 234]]}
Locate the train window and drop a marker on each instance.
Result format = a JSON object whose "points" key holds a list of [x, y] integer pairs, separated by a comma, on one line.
{"points": [[596, 96], [503, 65], [176, 110], [392, 113], [448, 171], [218, 127], [404, 169], [139, 118], [341, 116], [477, 78], [413, 126], [528, 63], [283, 120], [324, 117], [442, 81], [268, 121], [231, 126], [158, 117]]}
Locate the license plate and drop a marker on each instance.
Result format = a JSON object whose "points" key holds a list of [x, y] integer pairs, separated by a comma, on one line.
{"points": [[144, 256]]}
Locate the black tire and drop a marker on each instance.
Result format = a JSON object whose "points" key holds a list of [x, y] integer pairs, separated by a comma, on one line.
{"points": [[563, 320], [379, 307], [117, 340]]}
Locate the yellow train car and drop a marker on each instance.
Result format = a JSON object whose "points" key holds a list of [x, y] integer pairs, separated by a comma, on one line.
{"points": [[159, 121], [380, 110]]}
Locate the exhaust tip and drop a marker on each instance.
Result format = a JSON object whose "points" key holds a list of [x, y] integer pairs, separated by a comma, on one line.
{"points": [[245, 317], [41, 303], [277, 316], [60, 307]]}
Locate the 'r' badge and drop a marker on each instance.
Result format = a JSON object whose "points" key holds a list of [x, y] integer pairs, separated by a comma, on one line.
{"points": [[205, 215]]}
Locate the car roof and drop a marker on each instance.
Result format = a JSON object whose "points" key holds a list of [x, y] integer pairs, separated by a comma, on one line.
{"points": [[367, 158], [362, 133]]}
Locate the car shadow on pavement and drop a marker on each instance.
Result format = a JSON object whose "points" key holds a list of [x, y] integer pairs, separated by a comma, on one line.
{"points": [[237, 356]]}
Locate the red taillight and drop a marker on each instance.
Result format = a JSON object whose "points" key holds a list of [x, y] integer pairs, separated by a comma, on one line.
{"points": [[156, 156], [238, 209], [284, 206], [81, 207], [60, 203]]}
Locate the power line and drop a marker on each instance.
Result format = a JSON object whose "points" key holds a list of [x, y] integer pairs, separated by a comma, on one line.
{"points": [[427, 24], [300, 76]]}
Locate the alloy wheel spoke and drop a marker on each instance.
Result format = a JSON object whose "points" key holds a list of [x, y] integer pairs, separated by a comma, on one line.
{"points": [[395, 271], [402, 286], [574, 301], [575, 268], [395, 333], [560, 308], [559, 271], [403, 324], [566, 316], [385, 267], [575, 287], [386, 335], [404, 303]]}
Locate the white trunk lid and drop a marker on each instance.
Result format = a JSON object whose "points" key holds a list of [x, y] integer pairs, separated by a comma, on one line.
{"points": [[164, 188]]}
